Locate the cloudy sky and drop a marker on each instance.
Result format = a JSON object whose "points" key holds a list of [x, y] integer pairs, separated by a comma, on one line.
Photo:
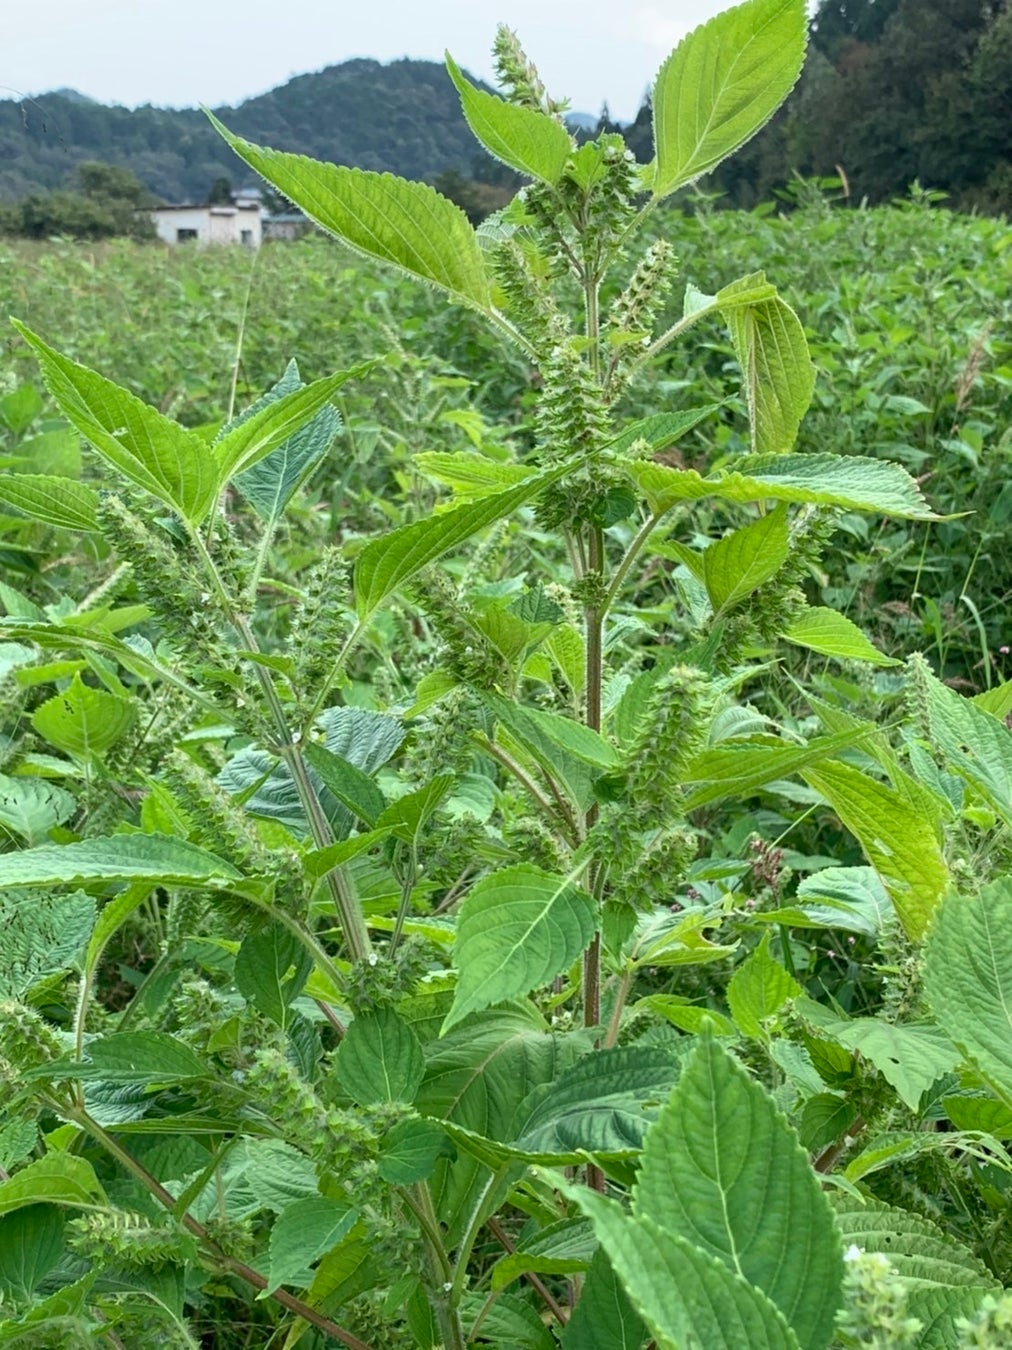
{"points": [[179, 53]]}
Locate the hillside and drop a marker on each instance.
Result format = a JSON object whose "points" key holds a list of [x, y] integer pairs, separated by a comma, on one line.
{"points": [[403, 117]]}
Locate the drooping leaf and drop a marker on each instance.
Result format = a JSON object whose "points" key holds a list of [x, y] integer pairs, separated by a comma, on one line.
{"points": [[922, 1255], [777, 370], [56, 1179], [148, 1057], [749, 1197], [404, 223], [740, 770], [30, 807], [527, 140], [43, 935], [830, 633], [685, 1295], [157, 858], [153, 452], [302, 1233], [271, 967], [388, 562], [851, 898], [721, 84], [83, 721], [899, 839], [518, 929], [58, 501], [380, 1059], [851, 482], [743, 560], [911, 1056], [968, 978]]}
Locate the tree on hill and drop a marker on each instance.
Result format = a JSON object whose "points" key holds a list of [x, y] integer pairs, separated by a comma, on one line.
{"points": [[107, 201]]}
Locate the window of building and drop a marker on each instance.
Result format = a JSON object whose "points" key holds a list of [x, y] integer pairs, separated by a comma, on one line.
{"points": [[247, 237], [183, 236]]}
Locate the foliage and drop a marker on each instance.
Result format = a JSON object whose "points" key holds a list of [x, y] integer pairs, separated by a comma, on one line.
{"points": [[401, 826]]}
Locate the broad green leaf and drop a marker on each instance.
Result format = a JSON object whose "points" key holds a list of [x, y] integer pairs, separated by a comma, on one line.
{"points": [[910, 1056], [723, 1170], [57, 501], [685, 1295], [848, 481], [380, 1059], [302, 1233], [982, 1114], [43, 935], [570, 736], [519, 732], [407, 224], [922, 1255], [409, 814], [560, 1249], [276, 428], [739, 770], [56, 1179], [996, 701], [661, 430], [851, 898], [30, 807], [830, 633], [974, 744], [388, 562], [663, 938], [318, 862], [968, 978], [721, 84], [743, 560], [603, 1104], [777, 370], [510, 1321], [899, 839], [153, 452], [257, 1175], [471, 476], [148, 1057], [899, 1148], [518, 929], [604, 1319], [270, 484], [941, 1312], [411, 1150], [350, 1269], [31, 1244], [83, 721], [527, 140], [824, 1119], [355, 789], [271, 968], [758, 989], [157, 858]]}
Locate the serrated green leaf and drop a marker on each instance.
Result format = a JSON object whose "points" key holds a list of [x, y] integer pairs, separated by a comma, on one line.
{"points": [[509, 1322], [411, 1150], [302, 1233], [56, 1179], [83, 721], [721, 84], [271, 967], [758, 989], [153, 452], [470, 475], [355, 789], [777, 370], [899, 839], [742, 769], [408, 814], [63, 502], [749, 1198], [560, 1249], [380, 1059], [604, 1319], [910, 1056], [157, 858], [685, 1295], [30, 807], [518, 929], [851, 898], [980, 1114], [31, 1244], [388, 562], [968, 978], [661, 430], [830, 633], [148, 1057], [848, 481], [43, 935], [743, 560], [527, 140], [921, 1254], [518, 728], [407, 224]]}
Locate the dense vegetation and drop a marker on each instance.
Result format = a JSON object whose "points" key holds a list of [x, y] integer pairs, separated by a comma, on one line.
{"points": [[510, 843]]}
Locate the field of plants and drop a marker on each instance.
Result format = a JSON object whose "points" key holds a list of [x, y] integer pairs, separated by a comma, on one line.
{"points": [[505, 767]]}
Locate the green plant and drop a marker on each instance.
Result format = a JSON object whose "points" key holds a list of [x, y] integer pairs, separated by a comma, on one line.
{"points": [[406, 953]]}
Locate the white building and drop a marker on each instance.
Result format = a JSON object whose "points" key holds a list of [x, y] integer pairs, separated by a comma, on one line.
{"points": [[203, 225]]}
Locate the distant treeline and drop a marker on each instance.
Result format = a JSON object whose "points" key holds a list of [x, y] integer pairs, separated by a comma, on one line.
{"points": [[894, 91]]}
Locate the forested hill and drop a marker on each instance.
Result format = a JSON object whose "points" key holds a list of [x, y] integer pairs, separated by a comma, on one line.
{"points": [[404, 117]]}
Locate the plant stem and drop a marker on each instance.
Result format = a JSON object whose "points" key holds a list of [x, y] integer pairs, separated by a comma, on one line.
{"points": [[615, 1021], [192, 1225], [636, 545], [547, 1297], [443, 1303]]}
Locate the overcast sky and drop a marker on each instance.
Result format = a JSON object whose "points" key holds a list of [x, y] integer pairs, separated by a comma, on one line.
{"points": [[179, 53]]}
